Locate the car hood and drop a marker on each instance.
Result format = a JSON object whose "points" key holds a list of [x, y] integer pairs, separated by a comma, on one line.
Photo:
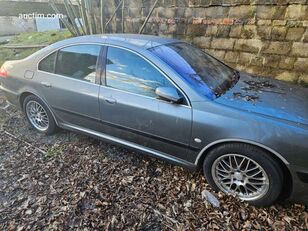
{"points": [[268, 97]]}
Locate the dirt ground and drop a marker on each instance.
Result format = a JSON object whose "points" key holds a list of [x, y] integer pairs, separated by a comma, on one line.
{"points": [[69, 181]]}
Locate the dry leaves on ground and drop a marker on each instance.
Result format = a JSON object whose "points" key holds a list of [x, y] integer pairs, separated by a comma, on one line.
{"points": [[69, 181]]}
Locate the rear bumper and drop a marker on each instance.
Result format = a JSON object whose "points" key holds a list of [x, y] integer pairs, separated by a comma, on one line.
{"points": [[300, 185], [12, 97]]}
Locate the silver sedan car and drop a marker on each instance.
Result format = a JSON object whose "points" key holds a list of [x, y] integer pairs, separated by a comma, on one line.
{"points": [[170, 100]]}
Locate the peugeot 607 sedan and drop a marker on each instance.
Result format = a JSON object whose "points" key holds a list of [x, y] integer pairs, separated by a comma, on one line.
{"points": [[166, 98]]}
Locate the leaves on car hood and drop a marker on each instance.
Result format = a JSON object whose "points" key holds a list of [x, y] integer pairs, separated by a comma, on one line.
{"points": [[268, 97]]}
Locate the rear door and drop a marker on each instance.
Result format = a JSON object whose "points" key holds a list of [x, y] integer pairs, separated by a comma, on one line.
{"points": [[68, 79], [131, 110]]}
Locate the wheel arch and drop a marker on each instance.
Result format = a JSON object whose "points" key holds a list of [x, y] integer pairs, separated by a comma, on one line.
{"points": [[284, 164], [27, 93]]}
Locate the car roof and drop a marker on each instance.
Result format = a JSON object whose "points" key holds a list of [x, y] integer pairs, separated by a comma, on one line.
{"points": [[137, 40]]}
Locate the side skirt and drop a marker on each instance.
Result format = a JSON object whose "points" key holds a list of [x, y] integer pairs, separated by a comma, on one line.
{"points": [[127, 144]]}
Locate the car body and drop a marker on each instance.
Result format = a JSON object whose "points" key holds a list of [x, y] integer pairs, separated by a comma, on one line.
{"points": [[260, 112]]}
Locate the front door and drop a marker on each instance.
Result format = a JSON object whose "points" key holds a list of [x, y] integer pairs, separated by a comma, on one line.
{"points": [[130, 109], [68, 82]]}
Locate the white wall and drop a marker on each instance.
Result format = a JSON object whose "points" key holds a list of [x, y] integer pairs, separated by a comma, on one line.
{"points": [[11, 25]]}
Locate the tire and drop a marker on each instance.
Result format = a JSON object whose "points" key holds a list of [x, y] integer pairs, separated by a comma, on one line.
{"points": [[47, 128], [259, 186]]}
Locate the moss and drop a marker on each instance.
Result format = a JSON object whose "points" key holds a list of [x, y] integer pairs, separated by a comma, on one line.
{"points": [[293, 23], [55, 151], [303, 81], [252, 12], [303, 84], [247, 33]]}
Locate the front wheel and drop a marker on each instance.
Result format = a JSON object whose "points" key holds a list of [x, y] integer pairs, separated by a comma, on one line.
{"points": [[38, 115], [246, 171]]}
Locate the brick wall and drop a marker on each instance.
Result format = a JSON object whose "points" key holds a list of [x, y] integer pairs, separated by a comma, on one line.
{"points": [[264, 37]]}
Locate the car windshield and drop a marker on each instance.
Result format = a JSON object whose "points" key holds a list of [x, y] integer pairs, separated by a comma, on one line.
{"points": [[206, 74]]}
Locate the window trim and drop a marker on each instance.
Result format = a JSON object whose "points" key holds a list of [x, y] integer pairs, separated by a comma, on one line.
{"points": [[104, 80], [103, 60], [98, 70], [102, 74]]}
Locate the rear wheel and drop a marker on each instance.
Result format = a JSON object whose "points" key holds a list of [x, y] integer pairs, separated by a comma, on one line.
{"points": [[244, 170], [38, 115]]}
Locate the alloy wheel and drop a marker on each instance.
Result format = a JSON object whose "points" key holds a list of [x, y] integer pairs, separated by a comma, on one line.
{"points": [[240, 175], [37, 115]]}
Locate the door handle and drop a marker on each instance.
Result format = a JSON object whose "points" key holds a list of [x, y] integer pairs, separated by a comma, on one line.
{"points": [[46, 84], [110, 100]]}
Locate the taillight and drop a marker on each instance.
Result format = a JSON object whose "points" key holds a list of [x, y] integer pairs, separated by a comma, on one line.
{"points": [[3, 73]]}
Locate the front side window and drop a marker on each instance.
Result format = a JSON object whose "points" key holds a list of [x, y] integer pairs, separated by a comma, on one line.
{"points": [[48, 63], [206, 74], [129, 72], [78, 62]]}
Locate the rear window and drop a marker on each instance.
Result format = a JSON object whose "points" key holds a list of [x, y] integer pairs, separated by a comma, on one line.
{"points": [[78, 62]]}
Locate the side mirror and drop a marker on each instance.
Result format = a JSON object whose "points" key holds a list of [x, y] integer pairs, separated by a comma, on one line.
{"points": [[169, 94]]}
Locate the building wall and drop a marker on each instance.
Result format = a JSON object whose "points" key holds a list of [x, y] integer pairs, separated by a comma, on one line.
{"points": [[11, 24], [268, 38]]}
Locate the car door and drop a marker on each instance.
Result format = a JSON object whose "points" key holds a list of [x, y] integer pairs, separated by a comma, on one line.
{"points": [[130, 109], [67, 79]]}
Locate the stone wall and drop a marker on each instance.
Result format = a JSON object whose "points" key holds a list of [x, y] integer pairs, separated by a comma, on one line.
{"points": [[263, 37]]}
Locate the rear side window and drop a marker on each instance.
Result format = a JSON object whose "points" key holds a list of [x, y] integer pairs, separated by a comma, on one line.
{"points": [[129, 72], [48, 63], [78, 62]]}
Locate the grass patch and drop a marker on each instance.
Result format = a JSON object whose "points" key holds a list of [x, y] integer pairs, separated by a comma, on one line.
{"points": [[33, 38], [30, 38], [54, 151], [12, 54]]}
